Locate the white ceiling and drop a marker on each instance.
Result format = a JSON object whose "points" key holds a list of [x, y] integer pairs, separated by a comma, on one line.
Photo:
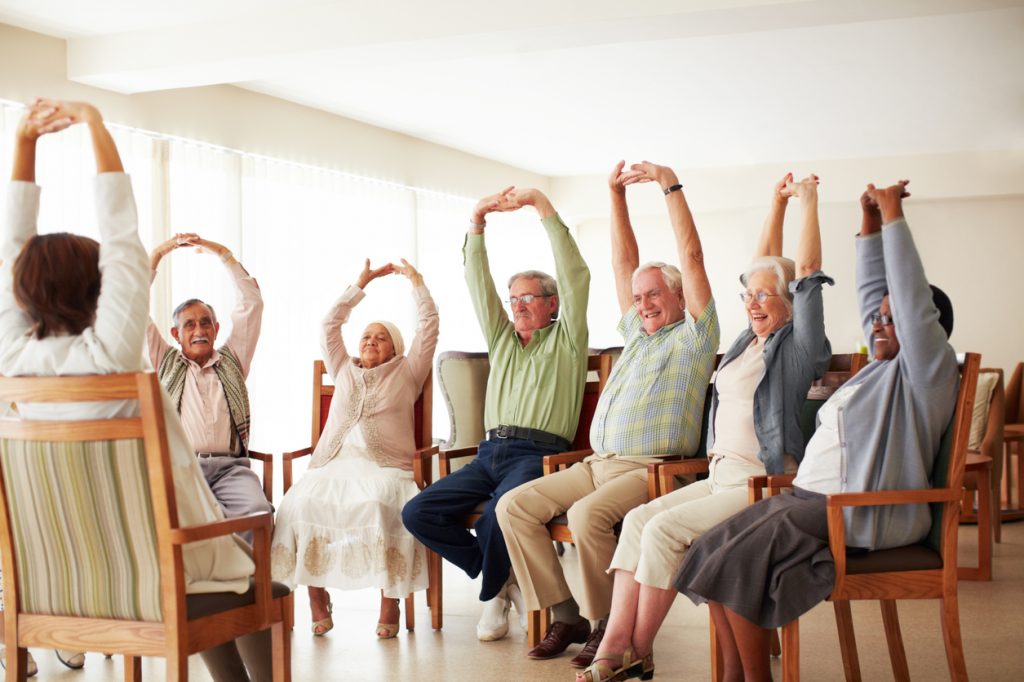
{"points": [[565, 87]]}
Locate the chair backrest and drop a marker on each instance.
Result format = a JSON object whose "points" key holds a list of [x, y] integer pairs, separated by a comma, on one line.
{"points": [[463, 380], [1014, 401], [600, 365], [948, 471], [324, 393], [88, 506]]}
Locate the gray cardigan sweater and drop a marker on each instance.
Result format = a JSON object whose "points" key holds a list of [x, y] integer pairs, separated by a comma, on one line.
{"points": [[891, 429], [794, 356]]}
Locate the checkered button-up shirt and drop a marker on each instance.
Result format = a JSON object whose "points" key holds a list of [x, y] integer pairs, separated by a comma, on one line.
{"points": [[653, 402]]}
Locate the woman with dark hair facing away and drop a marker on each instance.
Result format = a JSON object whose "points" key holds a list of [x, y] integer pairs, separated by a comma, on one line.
{"points": [[70, 306], [881, 431]]}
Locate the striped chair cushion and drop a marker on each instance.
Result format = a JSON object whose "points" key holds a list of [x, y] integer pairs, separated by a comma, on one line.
{"points": [[82, 527]]}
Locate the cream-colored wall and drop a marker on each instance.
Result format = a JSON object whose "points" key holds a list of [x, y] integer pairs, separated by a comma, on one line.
{"points": [[32, 64], [966, 213]]}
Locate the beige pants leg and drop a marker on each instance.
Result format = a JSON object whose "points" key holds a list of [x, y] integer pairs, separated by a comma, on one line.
{"points": [[523, 514], [621, 486]]}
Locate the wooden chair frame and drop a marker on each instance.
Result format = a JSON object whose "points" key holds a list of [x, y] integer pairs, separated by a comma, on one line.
{"points": [[887, 587], [422, 473], [175, 637]]}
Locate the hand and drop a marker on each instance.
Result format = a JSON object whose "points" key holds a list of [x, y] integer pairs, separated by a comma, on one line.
{"points": [[179, 240], [617, 180], [890, 199], [50, 115], [490, 204], [781, 193], [368, 275], [206, 246], [805, 189], [409, 271], [646, 171]]}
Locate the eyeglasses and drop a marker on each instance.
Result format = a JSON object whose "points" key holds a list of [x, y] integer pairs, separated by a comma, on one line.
{"points": [[760, 296], [878, 318], [526, 298]]}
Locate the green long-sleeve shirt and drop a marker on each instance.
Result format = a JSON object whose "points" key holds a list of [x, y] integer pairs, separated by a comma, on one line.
{"points": [[539, 386]]}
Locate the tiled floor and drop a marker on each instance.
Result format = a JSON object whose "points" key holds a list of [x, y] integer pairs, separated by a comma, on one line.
{"points": [[992, 620]]}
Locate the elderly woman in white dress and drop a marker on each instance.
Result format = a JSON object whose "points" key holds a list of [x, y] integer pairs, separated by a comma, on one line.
{"points": [[71, 306], [341, 525]]}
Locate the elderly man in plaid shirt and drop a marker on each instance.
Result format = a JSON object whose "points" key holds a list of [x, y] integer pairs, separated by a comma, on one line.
{"points": [[651, 407]]}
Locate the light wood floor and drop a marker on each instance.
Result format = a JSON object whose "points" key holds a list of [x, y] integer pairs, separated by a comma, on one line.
{"points": [[992, 619]]}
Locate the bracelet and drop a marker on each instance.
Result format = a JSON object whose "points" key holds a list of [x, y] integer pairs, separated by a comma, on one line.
{"points": [[478, 226], [671, 189], [226, 256]]}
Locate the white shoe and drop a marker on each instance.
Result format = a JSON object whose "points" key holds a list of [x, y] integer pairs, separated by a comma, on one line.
{"points": [[31, 669], [515, 595], [493, 623], [71, 658]]}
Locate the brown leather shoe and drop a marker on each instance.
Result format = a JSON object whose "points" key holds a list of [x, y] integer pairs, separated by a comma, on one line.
{"points": [[584, 658], [559, 636]]}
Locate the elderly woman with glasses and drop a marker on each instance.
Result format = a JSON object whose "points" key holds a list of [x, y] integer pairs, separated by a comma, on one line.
{"points": [[771, 563], [754, 428]]}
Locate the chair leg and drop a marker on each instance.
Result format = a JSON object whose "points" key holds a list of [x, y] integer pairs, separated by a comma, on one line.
{"points": [[950, 614], [410, 612], [177, 667], [16, 662], [984, 479], [434, 594], [774, 645], [894, 638], [132, 669], [280, 637], [791, 651], [847, 640], [533, 628]]}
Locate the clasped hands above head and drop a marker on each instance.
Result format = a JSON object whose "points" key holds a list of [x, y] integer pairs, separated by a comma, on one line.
{"points": [[406, 268]]}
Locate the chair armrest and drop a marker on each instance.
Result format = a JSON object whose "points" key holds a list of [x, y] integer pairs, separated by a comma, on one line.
{"points": [[422, 469], [445, 458], [213, 529], [773, 483], [564, 460], [660, 474], [268, 472], [286, 466]]}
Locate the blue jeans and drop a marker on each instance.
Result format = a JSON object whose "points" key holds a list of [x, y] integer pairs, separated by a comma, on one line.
{"points": [[437, 515]]}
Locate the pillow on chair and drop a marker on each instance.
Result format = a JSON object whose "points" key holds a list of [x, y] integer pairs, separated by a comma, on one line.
{"points": [[979, 417]]}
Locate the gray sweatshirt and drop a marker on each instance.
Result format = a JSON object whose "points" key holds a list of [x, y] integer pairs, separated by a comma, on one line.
{"points": [[891, 429]]}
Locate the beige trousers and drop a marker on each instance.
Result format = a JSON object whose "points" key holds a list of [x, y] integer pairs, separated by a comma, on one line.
{"points": [[655, 536], [597, 493]]}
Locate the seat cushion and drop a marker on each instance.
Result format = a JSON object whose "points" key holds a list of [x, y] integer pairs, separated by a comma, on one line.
{"points": [[201, 605], [909, 558]]}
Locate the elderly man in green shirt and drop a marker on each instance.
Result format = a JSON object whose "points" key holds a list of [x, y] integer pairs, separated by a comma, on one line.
{"points": [[534, 391], [652, 406]]}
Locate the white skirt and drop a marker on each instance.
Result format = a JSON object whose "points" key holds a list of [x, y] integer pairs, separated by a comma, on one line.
{"points": [[341, 526]]}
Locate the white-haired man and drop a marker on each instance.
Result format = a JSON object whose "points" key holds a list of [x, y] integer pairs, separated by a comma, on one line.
{"points": [[651, 406]]}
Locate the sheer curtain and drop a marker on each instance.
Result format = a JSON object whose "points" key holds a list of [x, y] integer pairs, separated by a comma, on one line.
{"points": [[302, 232]]}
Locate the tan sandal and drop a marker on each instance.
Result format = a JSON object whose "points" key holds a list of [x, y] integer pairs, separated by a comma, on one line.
{"points": [[324, 625], [389, 630], [599, 672]]}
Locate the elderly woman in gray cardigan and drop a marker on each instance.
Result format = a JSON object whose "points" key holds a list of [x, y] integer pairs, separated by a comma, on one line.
{"points": [[881, 431]]}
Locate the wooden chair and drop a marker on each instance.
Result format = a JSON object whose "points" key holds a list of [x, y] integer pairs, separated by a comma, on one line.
{"points": [[268, 472], [1013, 433], [982, 474], [126, 595], [422, 474], [599, 363], [927, 570]]}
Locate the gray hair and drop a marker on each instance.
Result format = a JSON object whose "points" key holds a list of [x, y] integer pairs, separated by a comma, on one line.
{"points": [[784, 270], [548, 284], [191, 302], [670, 273]]}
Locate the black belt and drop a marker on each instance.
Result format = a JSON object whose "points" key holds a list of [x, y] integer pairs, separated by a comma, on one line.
{"points": [[205, 455], [536, 435]]}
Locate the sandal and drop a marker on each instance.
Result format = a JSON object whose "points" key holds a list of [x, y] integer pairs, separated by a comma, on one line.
{"points": [[71, 658], [324, 625], [31, 669], [388, 630], [643, 669], [599, 672]]}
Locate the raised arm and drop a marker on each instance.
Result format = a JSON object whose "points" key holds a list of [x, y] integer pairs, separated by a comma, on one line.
{"points": [[421, 351], [696, 287], [332, 345], [770, 243], [625, 252], [808, 250]]}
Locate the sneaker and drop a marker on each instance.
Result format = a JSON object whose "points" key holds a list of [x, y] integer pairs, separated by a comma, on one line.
{"points": [[31, 669], [71, 658], [515, 595], [493, 623]]}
